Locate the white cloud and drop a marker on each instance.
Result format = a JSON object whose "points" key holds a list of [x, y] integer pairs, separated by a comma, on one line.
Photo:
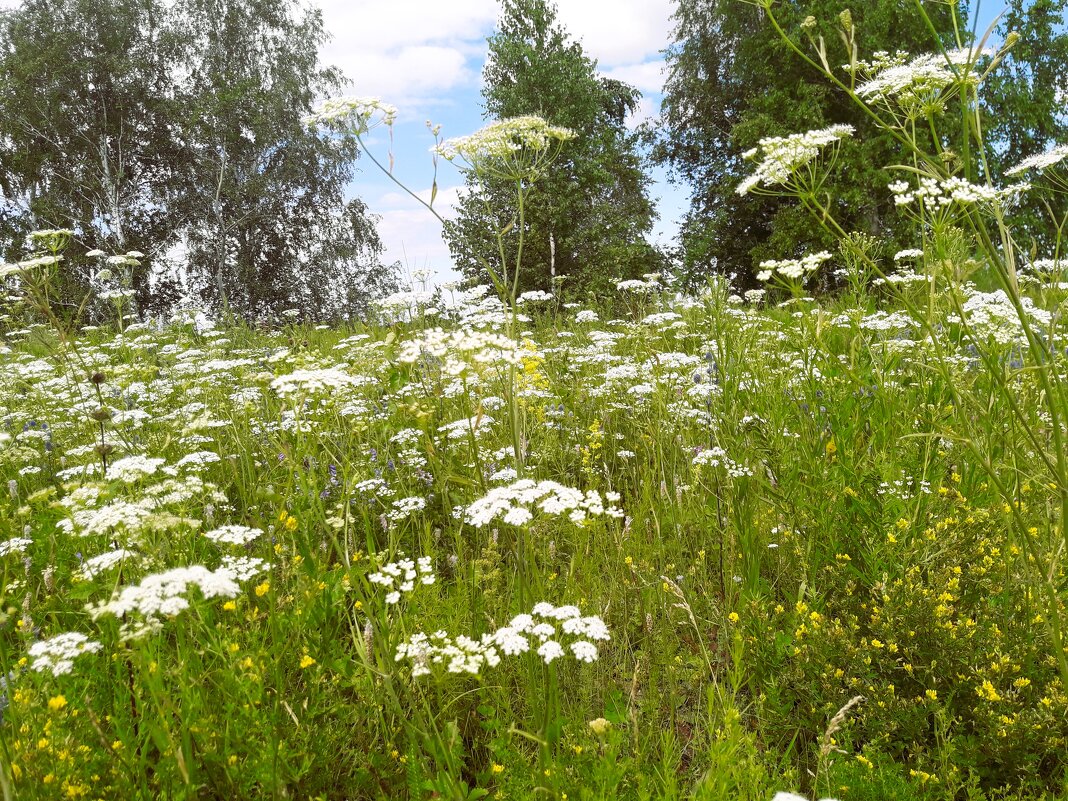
{"points": [[392, 24], [407, 51], [410, 50], [648, 77], [619, 31], [398, 76]]}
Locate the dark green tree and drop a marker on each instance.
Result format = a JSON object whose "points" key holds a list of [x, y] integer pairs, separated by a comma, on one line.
{"points": [[148, 125], [588, 216], [1026, 103], [265, 189], [87, 135], [731, 81]]}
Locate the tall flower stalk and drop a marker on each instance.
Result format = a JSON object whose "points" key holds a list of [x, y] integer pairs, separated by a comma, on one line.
{"points": [[947, 190], [516, 150]]}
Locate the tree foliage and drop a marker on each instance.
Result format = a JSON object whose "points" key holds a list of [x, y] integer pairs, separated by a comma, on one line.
{"points": [[589, 214], [731, 81], [1026, 104], [177, 127]]}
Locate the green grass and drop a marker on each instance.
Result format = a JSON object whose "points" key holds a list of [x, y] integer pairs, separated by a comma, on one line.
{"points": [[850, 540]]}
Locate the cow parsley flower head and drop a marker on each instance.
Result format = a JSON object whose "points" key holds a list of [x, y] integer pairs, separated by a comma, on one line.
{"points": [[551, 632], [94, 566], [164, 595], [516, 503], [15, 545], [327, 380], [782, 156], [402, 576], [133, 468], [233, 535]]}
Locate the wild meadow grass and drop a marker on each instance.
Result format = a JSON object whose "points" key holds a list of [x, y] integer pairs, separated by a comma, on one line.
{"points": [[719, 545], [310, 569]]}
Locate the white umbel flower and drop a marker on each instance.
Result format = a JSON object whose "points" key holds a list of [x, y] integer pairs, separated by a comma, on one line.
{"points": [[782, 156]]}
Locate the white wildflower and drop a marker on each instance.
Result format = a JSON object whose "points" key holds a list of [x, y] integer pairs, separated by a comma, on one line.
{"points": [[516, 502], [501, 145], [353, 114], [15, 545], [783, 156], [57, 654], [94, 566], [234, 535]]}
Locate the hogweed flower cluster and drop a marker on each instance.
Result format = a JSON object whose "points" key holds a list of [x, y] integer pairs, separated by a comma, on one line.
{"points": [[935, 193], [509, 148], [515, 503], [1042, 161], [920, 85], [549, 631], [782, 156], [353, 114]]}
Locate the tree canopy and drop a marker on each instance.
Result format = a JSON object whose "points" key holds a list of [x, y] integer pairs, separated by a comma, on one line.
{"points": [[732, 81], [589, 214], [162, 127]]}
